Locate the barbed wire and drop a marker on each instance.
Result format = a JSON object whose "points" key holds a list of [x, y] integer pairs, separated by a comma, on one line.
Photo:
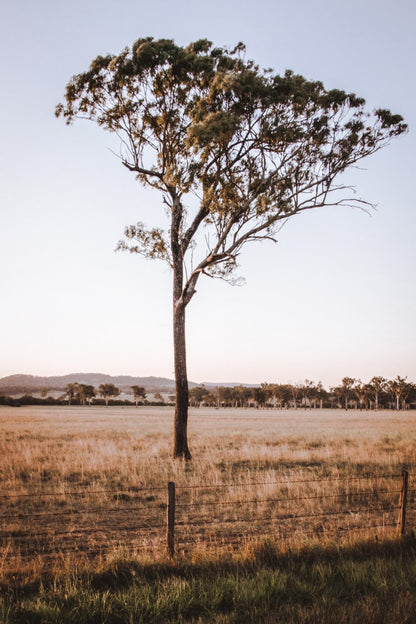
{"points": [[237, 538], [77, 513], [289, 481], [283, 500], [202, 521], [345, 512], [233, 539], [137, 489], [78, 533], [109, 532], [116, 491]]}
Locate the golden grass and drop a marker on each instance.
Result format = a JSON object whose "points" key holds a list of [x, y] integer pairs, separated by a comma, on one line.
{"points": [[90, 482]]}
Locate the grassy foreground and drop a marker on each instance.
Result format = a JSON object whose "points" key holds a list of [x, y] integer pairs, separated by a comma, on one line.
{"points": [[51, 458], [371, 583]]}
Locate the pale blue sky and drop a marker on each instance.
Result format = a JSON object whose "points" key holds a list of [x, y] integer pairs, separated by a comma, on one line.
{"points": [[335, 297]]}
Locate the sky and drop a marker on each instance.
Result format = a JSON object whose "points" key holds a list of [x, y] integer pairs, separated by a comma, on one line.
{"points": [[335, 297]]}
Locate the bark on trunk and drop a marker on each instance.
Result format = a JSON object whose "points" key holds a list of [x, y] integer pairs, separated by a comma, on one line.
{"points": [[180, 436], [180, 448]]}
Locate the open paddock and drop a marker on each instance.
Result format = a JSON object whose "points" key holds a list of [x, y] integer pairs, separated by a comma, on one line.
{"points": [[82, 483]]}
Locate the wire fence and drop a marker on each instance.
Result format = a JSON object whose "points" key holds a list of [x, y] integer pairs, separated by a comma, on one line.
{"points": [[46, 525]]}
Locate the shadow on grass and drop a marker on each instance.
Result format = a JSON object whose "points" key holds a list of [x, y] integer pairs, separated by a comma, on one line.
{"points": [[368, 582], [122, 573], [260, 556]]}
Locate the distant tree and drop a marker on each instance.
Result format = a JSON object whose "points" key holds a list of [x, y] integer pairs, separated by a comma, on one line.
{"points": [[362, 392], [228, 146], [295, 390], [411, 397], [399, 388], [307, 391], [320, 394], [241, 395], [108, 390], [71, 391], [260, 396], [80, 393], [200, 394], [377, 385], [224, 396], [44, 392], [86, 393], [139, 393], [158, 397], [336, 397], [347, 386], [284, 394], [268, 393]]}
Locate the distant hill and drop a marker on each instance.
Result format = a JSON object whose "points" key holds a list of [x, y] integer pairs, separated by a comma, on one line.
{"points": [[26, 384]]}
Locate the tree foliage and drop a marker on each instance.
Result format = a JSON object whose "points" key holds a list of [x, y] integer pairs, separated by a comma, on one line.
{"points": [[254, 147], [139, 392], [108, 390]]}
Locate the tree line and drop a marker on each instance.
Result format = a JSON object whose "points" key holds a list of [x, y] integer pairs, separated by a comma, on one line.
{"points": [[83, 394], [378, 393], [351, 393]]}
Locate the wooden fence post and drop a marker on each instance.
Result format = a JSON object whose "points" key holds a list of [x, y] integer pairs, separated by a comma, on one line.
{"points": [[403, 503], [170, 518]]}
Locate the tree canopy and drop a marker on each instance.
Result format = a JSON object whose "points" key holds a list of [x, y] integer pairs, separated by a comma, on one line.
{"points": [[231, 147]]}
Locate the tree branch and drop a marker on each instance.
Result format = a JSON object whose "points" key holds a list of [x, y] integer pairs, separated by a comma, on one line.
{"points": [[146, 172]]}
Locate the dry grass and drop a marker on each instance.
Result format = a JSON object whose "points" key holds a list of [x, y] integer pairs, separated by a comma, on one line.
{"points": [[91, 482]]}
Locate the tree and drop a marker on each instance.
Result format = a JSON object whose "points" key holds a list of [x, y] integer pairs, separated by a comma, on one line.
{"points": [[282, 394], [199, 395], [139, 393], [44, 392], [295, 391], [260, 396], [86, 393], [362, 392], [230, 147], [399, 389], [224, 396], [307, 390], [108, 390], [347, 386], [80, 393], [320, 393], [71, 391], [377, 386]]}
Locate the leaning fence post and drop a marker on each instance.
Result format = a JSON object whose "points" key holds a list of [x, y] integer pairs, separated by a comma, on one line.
{"points": [[170, 517], [403, 502]]}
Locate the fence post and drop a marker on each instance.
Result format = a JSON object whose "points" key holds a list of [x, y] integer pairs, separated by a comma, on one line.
{"points": [[170, 518], [403, 503]]}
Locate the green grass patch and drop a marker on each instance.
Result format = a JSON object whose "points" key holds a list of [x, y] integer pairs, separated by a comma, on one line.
{"points": [[371, 583]]}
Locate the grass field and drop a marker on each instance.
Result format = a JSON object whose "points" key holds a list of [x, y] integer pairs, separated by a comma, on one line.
{"points": [[282, 529]]}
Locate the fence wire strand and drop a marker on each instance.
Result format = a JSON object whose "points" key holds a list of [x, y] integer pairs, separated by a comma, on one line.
{"points": [[99, 535]]}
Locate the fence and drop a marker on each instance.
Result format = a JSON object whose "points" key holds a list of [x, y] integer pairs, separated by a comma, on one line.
{"points": [[180, 518]]}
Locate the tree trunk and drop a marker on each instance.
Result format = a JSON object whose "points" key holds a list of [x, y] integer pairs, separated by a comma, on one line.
{"points": [[180, 448], [180, 300]]}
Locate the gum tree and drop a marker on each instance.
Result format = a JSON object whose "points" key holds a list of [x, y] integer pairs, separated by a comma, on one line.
{"points": [[377, 386], [107, 391], [139, 392], [233, 150]]}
